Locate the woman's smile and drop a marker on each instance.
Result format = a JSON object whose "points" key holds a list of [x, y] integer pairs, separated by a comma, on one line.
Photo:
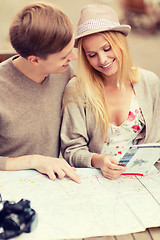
{"points": [[108, 65]]}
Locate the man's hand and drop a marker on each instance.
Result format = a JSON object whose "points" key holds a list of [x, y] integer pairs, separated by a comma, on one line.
{"points": [[53, 167]]}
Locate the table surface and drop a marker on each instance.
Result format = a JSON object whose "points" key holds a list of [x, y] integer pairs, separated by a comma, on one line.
{"points": [[149, 234], [28, 179]]}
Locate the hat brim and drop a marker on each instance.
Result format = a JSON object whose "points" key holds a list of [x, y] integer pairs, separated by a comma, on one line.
{"points": [[125, 29]]}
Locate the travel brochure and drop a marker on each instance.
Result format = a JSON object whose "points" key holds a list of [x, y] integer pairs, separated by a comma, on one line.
{"points": [[139, 159]]}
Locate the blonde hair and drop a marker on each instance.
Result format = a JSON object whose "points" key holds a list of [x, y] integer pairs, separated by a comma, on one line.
{"points": [[90, 81]]}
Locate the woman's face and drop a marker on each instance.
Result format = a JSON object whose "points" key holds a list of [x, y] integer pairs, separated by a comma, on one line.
{"points": [[100, 54]]}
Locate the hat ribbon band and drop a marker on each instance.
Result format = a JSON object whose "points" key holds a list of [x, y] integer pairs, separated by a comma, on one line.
{"points": [[95, 24]]}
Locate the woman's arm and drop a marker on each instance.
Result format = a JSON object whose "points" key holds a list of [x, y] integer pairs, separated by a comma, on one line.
{"points": [[74, 136], [147, 91]]}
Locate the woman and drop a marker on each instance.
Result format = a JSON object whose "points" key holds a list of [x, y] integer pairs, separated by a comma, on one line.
{"points": [[114, 103]]}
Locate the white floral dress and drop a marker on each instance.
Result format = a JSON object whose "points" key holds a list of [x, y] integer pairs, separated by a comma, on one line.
{"points": [[120, 138]]}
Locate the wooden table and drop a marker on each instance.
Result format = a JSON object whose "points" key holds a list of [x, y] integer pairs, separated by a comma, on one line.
{"points": [[149, 234]]}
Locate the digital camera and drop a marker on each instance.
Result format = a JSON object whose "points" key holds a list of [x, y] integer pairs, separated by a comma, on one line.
{"points": [[16, 218]]}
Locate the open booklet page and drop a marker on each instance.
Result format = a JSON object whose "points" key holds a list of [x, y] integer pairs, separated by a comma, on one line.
{"points": [[140, 158]]}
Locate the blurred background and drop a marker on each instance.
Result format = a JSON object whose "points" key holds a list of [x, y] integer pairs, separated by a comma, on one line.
{"points": [[142, 15]]}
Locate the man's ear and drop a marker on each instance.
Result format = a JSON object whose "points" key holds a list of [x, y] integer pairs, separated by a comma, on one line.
{"points": [[33, 59]]}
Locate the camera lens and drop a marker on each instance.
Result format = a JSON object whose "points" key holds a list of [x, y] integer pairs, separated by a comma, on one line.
{"points": [[13, 222]]}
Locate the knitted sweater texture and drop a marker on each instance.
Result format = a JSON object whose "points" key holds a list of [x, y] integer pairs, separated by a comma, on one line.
{"points": [[30, 113]]}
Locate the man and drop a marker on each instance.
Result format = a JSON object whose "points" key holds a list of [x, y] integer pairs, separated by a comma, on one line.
{"points": [[32, 85]]}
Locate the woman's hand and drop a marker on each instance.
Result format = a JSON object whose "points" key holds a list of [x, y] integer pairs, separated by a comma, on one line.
{"points": [[108, 165]]}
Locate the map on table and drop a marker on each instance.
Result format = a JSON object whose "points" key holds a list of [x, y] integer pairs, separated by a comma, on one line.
{"points": [[96, 207]]}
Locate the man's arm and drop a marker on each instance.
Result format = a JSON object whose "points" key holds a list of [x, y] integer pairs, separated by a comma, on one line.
{"points": [[53, 167]]}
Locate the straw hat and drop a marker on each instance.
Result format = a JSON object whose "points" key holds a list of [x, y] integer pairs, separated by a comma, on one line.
{"points": [[96, 18]]}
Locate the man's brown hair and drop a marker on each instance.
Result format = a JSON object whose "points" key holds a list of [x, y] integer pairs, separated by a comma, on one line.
{"points": [[40, 29]]}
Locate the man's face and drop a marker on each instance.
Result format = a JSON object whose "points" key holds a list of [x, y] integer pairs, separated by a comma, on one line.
{"points": [[58, 62]]}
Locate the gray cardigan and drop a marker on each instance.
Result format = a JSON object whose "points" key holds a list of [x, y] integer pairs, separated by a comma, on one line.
{"points": [[80, 139]]}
